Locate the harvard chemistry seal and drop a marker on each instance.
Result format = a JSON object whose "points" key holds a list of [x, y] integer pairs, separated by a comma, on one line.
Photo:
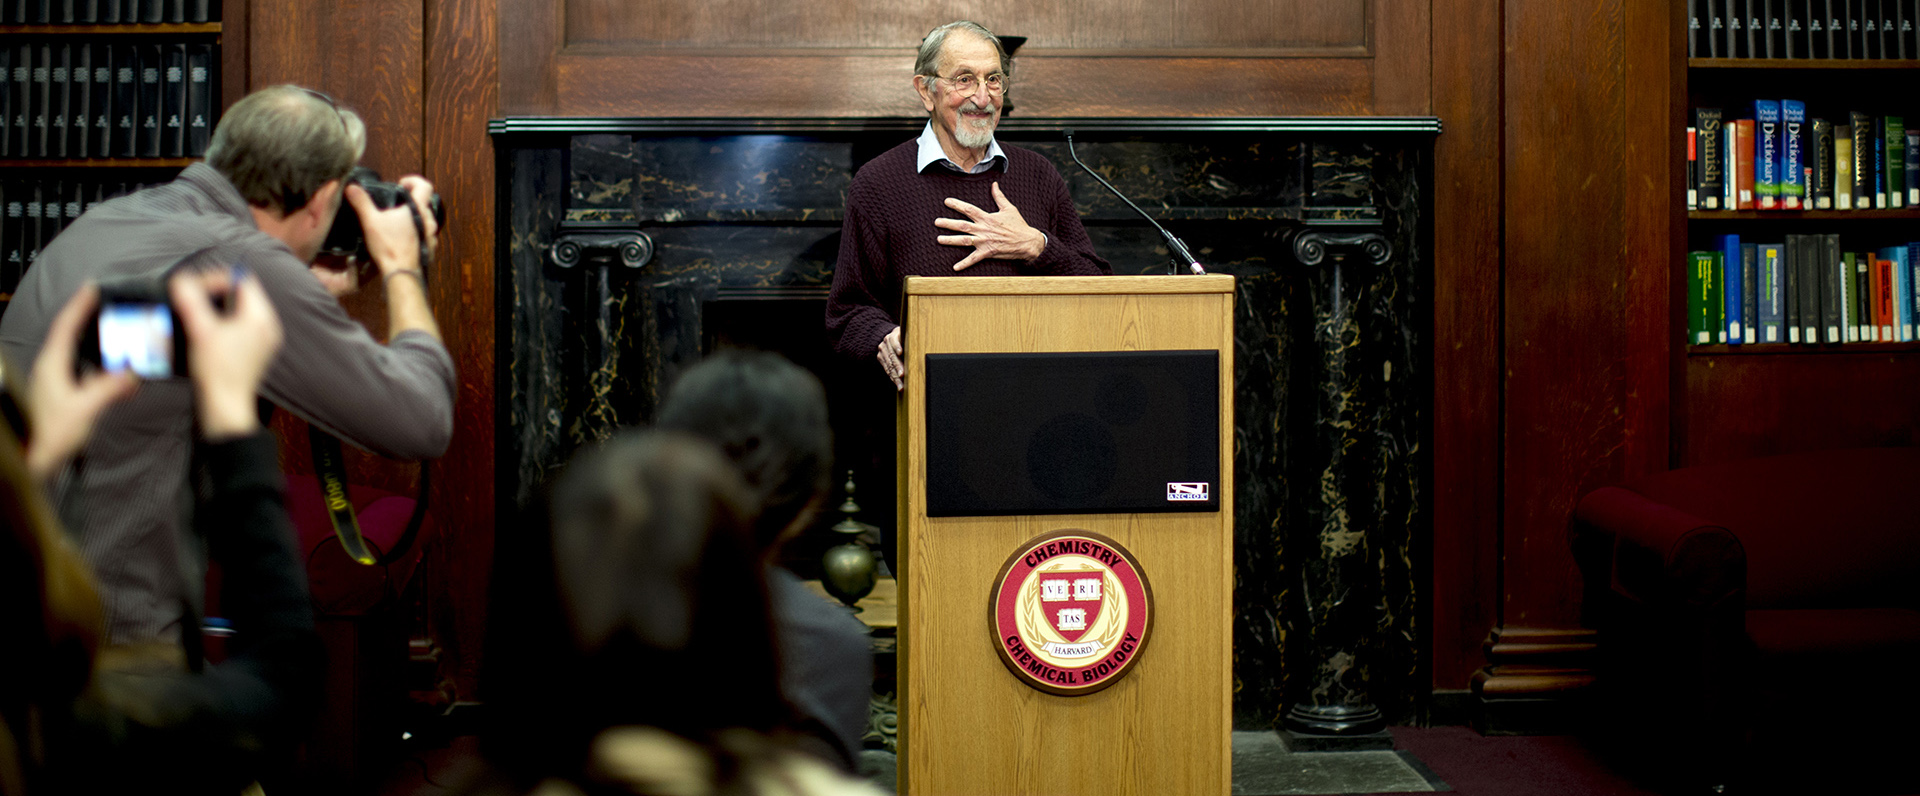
{"points": [[1071, 612]]}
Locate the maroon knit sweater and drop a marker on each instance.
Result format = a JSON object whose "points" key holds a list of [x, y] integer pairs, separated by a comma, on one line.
{"points": [[889, 235]]}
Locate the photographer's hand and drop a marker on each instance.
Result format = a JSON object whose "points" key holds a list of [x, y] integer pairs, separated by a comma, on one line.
{"points": [[62, 408], [229, 353], [395, 247]]}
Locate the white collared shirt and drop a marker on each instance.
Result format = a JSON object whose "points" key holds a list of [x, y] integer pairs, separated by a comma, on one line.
{"points": [[931, 153]]}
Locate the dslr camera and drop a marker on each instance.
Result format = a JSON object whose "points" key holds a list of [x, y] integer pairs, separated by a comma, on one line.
{"points": [[348, 239]]}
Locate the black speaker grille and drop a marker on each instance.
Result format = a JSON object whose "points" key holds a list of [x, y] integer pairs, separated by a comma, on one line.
{"points": [[1072, 433]]}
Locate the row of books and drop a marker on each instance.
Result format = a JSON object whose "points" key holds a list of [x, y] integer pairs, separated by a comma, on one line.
{"points": [[1776, 158], [1803, 28], [36, 210], [101, 99], [107, 12], [1803, 290]]}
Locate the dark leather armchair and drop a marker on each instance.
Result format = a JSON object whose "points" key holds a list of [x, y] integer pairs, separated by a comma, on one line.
{"points": [[1758, 607]]}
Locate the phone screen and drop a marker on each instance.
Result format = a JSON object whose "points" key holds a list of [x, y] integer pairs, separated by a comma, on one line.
{"points": [[137, 337]]}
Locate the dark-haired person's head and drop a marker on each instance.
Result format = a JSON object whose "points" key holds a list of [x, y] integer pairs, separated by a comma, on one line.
{"points": [[647, 607], [770, 417]]}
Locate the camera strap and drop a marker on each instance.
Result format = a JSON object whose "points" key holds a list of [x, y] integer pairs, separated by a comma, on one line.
{"points": [[329, 466]]}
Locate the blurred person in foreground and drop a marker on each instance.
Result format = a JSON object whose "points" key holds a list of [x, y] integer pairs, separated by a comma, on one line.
{"points": [[78, 716], [639, 656], [769, 416], [274, 179]]}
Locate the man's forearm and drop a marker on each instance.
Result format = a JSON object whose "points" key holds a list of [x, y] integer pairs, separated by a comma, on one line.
{"points": [[407, 307]]}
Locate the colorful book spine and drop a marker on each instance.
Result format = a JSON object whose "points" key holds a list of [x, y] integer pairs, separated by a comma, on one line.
{"points": [[1820, 187], [1843, 167], [1896, 128], [1771, 297], [1793, 159], [1913, 168], [1738, 135], [1693, 170], [1713, 185], [1733, 305], [1767, 145], [1862, 125], [1701, 314]]}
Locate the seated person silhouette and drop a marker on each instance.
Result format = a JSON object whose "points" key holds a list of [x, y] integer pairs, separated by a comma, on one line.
{"points": [[633, 649]]}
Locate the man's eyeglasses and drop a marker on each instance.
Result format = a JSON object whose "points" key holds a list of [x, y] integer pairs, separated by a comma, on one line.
{"points": [[967, 84]]}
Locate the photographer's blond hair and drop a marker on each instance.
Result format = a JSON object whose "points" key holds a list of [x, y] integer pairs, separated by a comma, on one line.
{"points": [[278, 145]]}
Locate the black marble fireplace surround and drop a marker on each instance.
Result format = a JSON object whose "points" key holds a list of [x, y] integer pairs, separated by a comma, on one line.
{"points": [[1325, 223]]}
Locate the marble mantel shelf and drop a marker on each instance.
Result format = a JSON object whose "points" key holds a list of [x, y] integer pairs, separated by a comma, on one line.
{"points": [[1013, 126]]}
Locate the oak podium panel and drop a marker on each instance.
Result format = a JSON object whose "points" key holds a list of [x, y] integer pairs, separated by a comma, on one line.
{"points": [[968, 722]]}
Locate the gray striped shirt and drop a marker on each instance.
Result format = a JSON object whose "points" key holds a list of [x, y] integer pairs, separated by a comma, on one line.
{"points": [[128, 504]]}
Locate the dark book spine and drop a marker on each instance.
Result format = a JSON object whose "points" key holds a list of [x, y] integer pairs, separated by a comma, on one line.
{"points": [[110, 12], [1757, 41], [1822, 183], [99, 110], [126, 101], [22, 122], [79, 99], [147, 129], [1790, 279], [1812, 304], [52, 219], [1736, 30], [1862, 160], [1817, 45], [42, 98], [86, 12], [200, 11], [1706, 123], [199, 99], [1856, 29], [154, 12], [173, 102], [1878, 182], [1830, 294], [59, 99], [1795, 43], [1694, 29], [6, 107], [1913, 168], [62, 14], [1898, 23], [1863, 293], [33, 231], [10, 217], [1716, 28], [41, 13], [1749, 292]]}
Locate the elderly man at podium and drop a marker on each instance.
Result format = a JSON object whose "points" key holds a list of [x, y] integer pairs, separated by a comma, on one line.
{"points": [[953, 201]]}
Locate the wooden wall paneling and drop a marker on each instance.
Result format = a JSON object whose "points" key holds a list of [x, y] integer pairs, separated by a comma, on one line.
{"points": [[1467, 261], [605, 59], [234, 53], [1744, 406], [529, 79], [1654, 182], [1565, 349], [1403, 52], [462, 85]]}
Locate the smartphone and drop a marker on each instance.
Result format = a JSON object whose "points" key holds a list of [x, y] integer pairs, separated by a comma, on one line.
{"points": [[135, 330]]}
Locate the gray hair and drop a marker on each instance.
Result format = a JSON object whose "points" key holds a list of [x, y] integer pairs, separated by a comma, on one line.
{"points": [[280, 144], [928, 62]]}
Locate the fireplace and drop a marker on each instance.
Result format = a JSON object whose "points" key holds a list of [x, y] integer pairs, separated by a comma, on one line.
{"points": [[1324, 223]]}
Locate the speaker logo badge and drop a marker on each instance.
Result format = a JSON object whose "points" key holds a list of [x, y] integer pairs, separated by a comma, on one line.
{"points": [[1071, 612], [1177, 491]]}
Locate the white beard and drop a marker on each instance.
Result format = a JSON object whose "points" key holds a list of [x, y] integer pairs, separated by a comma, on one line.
{"points": [[971, 135]]}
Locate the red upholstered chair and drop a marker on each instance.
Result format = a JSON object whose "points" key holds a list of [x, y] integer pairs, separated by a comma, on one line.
{"points": [[362, 621], [1760, 606]]}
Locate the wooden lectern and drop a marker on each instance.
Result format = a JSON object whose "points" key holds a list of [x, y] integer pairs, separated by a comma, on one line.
{"points": [[968, 724]]}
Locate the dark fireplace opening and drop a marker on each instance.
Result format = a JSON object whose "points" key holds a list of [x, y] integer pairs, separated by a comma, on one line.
{"points": [[860, 403]]}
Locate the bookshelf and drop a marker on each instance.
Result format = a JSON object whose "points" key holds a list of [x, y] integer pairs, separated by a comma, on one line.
{"points": [[52, 173], [1742, 401]]}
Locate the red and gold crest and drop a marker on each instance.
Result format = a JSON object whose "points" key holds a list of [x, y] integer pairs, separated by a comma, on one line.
{"points": [[1071, 612]]}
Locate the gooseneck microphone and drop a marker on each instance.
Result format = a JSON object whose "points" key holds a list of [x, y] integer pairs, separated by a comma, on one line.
{"points": [[1180, 253]]}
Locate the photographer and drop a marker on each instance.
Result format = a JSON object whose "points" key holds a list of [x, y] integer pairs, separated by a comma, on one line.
{"points": [[266, 197], [75, 718]]}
